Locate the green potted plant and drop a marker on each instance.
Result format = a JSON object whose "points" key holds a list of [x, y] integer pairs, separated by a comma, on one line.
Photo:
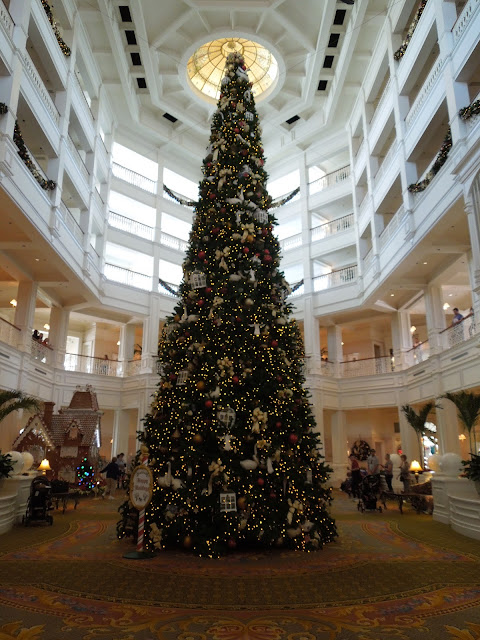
{"points": [[417, 422], [468, 412], [471, 470], [6, 466], [15, 400]]}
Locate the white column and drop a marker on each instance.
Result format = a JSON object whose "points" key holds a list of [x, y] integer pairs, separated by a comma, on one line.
{"points": [[127, 342], [339, 447], [447, 427], [401, 338], [150, 335], [57, 336], [435, 316], [334, 343], [121, 422], [25, 312], [311, 330]]}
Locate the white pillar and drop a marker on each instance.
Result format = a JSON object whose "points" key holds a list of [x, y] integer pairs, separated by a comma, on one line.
{"points": [[25, 312], [311, 330], [334, 343], [317, 410], [121, 422], [339, 447], [401, 338], [57, 336], [447, 427], [409, 439], [127, 342], [435, 316]]}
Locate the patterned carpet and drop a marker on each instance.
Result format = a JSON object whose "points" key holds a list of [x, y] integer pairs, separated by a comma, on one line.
{"points": [[388, 576]]}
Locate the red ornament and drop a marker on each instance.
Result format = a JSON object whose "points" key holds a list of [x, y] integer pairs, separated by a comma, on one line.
{"points": [[208, 289], [215, 230], [208, 404], [267, 251], [293, 438], [232, 544], [237, 130], [234, 105], [278, 424], [264, 232], [246, 250], [260, 482], [212, 196], [235, 379], [200, 303], [274, 343], [201, 254], [205, 261], [267, 258]]}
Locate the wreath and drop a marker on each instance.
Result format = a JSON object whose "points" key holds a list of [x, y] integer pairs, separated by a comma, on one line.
{"points": [[361, 449]]}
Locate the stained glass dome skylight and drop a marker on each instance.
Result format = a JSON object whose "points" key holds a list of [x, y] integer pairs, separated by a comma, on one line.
{"points": [[206, 66]]}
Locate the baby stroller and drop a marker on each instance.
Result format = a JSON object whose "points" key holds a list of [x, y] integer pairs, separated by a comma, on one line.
{"points": [[39, 502], [369, 490]]}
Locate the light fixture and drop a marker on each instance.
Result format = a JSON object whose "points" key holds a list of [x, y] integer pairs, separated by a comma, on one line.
{"points": [[392, 295], [44, 466], [446, 306], [118, 343], [343, 344], [425, 263], [46, 326], [13, 302], [462, 437], [416, 468], [413, 328], [450, 295]]}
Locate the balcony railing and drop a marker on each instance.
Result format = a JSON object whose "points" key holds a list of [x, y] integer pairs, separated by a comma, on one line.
{"points": [[71, 224], [133, 367], [41, 352], [329, 180], [292, 242], [128, 225], [335, 278], [77, 158], [331, 228], [419, 353], [392, 227], [459, 332], [6, 20], [9, 333], [464, 18], [91, 364], [173, 243], [365, 367], [40, 87], [130, 278], [134, 178], [424, 91]]}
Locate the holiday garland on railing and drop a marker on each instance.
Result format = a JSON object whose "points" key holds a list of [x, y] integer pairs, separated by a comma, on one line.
{"points": [[192, 203], [63, 46], [168, 287], [47, 185], [296, 286], [401, 51], [284, 200], [186, 203], [440, 160], [3, 108], [472, 110]]}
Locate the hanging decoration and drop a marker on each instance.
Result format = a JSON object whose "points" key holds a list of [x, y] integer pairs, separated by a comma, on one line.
{"points": [[436, 166], [186, 203], [169, 288], [284, 200], [399, 53], [63, 46], [472, 110], [47, 185]]}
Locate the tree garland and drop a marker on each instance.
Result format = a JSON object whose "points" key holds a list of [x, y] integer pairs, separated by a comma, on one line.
{"points": [[297, 286], [186, 203], [398, 55], [47, 185], [63, 46], [472, 110], [437, 165], [3, 108], [166, 286], [286, 199]]}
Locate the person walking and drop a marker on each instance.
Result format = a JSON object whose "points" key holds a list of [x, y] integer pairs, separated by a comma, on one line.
{"points": [[121, 465], [113, 473], [355, 475], [405, 473], [388, 466]]}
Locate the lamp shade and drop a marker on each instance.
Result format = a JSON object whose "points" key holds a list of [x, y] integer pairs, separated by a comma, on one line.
{"points": [[415, 466], [44, 466]]}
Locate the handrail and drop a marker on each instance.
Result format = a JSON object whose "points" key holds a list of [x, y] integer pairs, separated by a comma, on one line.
{"points": [[126, 276], [14, 326], [347, 275], [134, 178], [329, 179], [331, 228], [452, 326], [129, 225]]}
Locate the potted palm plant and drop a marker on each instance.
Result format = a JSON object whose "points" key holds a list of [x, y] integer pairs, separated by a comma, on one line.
{"points": [[417, 422], [6, 466], [468, 412], [15, 400]]}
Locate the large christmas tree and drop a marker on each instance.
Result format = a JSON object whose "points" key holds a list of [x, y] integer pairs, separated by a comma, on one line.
{"points": [[231, 435]]}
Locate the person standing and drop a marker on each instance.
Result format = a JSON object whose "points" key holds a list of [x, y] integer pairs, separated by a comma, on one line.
{"points": [[113, 473], [355, 475], [405, 473], [121, 466], [388, 466], [373, 464], [457, 316]]}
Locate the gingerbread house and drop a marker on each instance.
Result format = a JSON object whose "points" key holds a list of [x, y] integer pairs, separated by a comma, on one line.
{"points": [[68, 438]]}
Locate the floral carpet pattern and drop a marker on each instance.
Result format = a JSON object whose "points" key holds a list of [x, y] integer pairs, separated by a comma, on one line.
{"points": [[388, 576]]}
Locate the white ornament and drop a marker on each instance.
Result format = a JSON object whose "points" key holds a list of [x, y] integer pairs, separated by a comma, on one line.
{"points": [[198, 280], [27, 460], [248, 115], [182, 378], [16, 461], [451, 464], [228, 502], [227, 416]]}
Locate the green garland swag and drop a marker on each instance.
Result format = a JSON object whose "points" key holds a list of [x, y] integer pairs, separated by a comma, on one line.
{"points": [[3, 108], [63, 46], [399, 53], [472, 110], [47, 185], [436, 166]]}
